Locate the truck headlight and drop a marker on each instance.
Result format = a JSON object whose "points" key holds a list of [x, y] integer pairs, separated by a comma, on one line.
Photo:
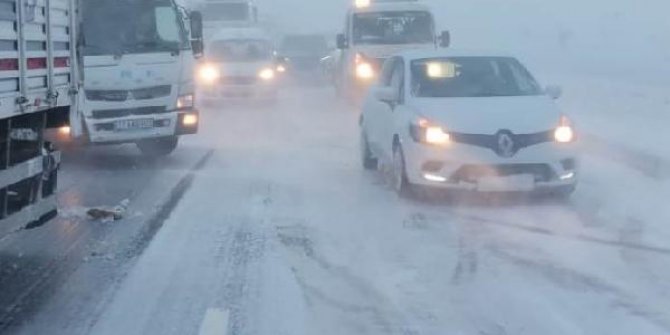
{"points": [[564, 133], [267, 74], [365, 71], [185, 101], [209, 74], [424, 132]]}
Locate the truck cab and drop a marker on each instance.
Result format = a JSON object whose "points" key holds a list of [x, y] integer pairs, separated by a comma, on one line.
{"points": [[375, 30], [138, 65], [221, 14]]}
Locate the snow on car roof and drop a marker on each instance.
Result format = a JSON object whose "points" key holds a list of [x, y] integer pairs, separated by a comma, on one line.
{"points": [[440, 52]]}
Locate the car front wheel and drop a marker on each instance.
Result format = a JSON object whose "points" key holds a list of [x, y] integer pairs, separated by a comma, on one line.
{"points": [[401, 184], [368, 161]]}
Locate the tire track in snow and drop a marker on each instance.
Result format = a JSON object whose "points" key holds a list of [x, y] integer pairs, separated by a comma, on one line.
{"points": [[370, 307]]}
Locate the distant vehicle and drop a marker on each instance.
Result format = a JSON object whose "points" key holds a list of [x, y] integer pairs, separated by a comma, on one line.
{"points": [[240, 64], [221, 14], [139, 65], [467, 121], [303, 54], [373, 31]]}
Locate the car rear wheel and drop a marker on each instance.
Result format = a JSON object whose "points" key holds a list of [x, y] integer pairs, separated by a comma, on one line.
{"points": [[158, 147], [368, 161]]}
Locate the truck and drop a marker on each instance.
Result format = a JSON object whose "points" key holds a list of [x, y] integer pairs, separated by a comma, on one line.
{"points": [[38, 91], [139, 61], [373, 31], [222, 14]]}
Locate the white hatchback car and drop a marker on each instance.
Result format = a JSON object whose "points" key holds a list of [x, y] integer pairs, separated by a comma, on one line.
{"points": [[467, 121]]}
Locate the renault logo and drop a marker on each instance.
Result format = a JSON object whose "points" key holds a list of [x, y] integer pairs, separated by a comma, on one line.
{"points": [[505, 145]]}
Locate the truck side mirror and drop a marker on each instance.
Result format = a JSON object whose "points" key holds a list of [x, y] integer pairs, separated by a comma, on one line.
{"points": [[197, 43], [444, 39], [341, 42]]}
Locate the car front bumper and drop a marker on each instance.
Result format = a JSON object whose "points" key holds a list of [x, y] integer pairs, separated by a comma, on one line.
{"points": [[544, 167], [240, 92]]}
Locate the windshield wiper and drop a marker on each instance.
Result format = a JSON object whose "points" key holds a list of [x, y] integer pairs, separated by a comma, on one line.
{"points": [[157, 45]]}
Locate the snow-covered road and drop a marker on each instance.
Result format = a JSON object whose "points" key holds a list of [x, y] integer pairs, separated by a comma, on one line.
{"points": [[283, 233]]}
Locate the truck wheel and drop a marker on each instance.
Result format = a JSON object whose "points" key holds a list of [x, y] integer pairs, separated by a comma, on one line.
{"points": [[158, 147]]}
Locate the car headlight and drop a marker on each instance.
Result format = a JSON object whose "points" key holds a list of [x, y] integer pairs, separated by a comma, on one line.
{"points": [[424, 132], [267, 74], [185, 101], [564, 133], [209, 74]]}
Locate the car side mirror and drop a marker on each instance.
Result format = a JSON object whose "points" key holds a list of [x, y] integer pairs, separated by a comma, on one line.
{"points": [[342, 42], [197, 42], [386, 94], [444, 40], [553, 91]]}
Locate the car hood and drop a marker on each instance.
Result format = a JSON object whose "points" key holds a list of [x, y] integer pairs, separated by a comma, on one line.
{"points": [[520, 115], [386, 51]]}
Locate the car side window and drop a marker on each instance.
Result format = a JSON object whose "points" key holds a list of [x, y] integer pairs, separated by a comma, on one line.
{"points": [[387, 72]]}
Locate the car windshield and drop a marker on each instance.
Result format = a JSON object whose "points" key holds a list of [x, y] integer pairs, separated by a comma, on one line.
{"points": [[124, 26], [411, 27], [304, 45], [241, 50], [226, 12], [471, 77]]}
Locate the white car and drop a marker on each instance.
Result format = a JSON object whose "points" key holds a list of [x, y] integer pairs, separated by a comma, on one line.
{"points": [[240, 64], [468, 121]]}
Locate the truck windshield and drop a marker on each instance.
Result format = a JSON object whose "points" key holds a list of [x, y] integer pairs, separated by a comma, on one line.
{"points": [[226, 12], [471, 77], [126, 27], [241, 50], [411, 27]]}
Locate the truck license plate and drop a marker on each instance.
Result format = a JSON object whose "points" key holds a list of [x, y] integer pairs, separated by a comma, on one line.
{"points": [[125, 125]]}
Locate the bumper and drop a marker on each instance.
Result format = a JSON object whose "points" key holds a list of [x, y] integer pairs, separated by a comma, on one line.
{"points": [[543, 167], [106, 131], [240, 92]]}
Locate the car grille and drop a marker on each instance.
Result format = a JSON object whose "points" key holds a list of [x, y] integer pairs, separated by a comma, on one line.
{"points": [[239, 80], [472, 173], [123, 95], [520, 141], [114, 113]]}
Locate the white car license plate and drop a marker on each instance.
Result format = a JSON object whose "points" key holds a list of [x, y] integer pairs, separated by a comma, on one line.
{"points": [[518, 183], [125, 125]]}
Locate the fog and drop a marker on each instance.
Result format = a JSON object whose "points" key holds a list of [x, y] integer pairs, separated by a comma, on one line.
{"points": [[620, 37]]}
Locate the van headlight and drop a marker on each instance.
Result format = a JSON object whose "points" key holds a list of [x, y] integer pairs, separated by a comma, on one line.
{"points": [[424, 131], [208, 74], [267, 74], [564, 133], [185, 101]]}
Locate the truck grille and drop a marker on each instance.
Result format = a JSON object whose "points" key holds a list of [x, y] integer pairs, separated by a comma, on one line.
{"points": [[123, 95], [114, 113]]}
